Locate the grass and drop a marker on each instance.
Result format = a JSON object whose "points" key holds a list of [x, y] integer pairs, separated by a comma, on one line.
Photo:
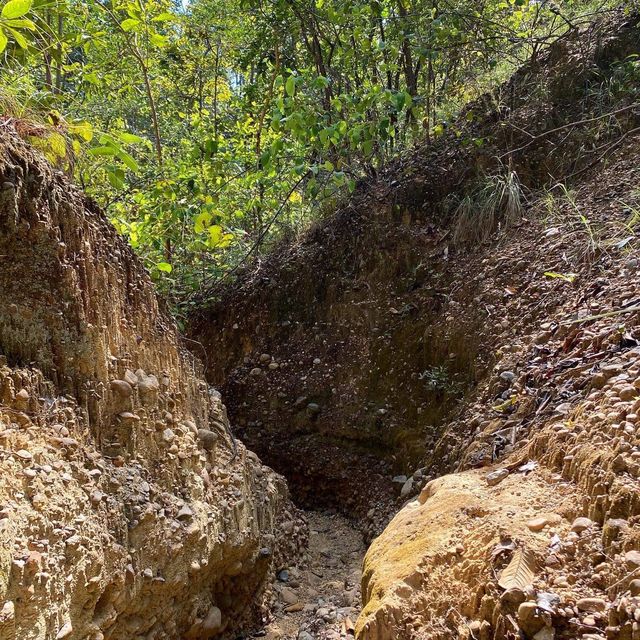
{"points": [[497, 203]]}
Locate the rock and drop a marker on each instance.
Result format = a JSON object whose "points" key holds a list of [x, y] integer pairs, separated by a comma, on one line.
{"points": [[508, 376], [634, 587], [399, 479], [207, 439], [185, 513], [256, 371], [289, 596], [283, 575], [581, 524], [563, 408], [313, 408], [121, 388], [8, 612], [168, 436], [407, 488], [292, 608], [529, 618], [591, 605], [265, 357], [212, 622], [65, 631], [537, 524], [546, 633], [24, 454], [627, 392], [496, 477], [632, 558]]}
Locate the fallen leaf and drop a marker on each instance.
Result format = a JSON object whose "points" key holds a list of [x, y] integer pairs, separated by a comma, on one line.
{"points": [[519, 573]]}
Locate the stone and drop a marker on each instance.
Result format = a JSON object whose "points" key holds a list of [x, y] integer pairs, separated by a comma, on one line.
{"points": [[265, 357], [313, 408], [496, 477], [581, 524], [131, 378], [591, 605], [508, 376], [537, 524], [65, 631], [289, 596], [634, 587], [530, 619], [207, 439], [256, 371], [185, 513], [407, 487], [632, 558], [212, 622], [627, 392], [121, 388]]}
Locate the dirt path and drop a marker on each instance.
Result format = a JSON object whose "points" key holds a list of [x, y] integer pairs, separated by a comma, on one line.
{"points": [[321, 600]]}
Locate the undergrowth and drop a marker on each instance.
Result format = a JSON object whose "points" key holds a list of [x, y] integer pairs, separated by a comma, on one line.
{"points": [[497, 202]]}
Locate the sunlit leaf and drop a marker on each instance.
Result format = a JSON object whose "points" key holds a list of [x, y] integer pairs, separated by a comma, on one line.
{"points": [[129, 24], [16, 8]]}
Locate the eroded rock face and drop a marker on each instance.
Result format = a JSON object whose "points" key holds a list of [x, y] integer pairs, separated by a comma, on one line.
{"points": [[126, 508]]}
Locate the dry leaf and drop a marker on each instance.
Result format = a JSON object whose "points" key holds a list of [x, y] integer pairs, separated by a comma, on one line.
{"points": [[519, 573]]}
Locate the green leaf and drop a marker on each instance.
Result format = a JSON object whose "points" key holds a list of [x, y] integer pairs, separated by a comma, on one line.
{"points": [[201, 221], [164, 266], [116, 178], [21, 23], [3, 41], [19, 38], [215, 235], [128, 160], [158, 40], [129, 138], [16, 8], [129, 24], [290, 86], [103, 151], [163, 17]]}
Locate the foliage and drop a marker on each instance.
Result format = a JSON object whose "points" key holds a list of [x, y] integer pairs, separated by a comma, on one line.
{"points": [[210, 129]]}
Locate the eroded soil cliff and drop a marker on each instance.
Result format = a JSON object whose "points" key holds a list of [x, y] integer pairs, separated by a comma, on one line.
{"points": [[127, 510], [413, 334]]}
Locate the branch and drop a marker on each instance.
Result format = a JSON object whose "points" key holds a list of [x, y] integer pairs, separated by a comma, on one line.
{"points": [[577, 123]]}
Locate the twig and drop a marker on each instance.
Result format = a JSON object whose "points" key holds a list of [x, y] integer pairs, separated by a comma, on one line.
{"points": [[615, 312], [577, 123]]}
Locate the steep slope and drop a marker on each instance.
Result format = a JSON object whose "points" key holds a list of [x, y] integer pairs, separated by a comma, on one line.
{"points": [[127, 510], [441, 321]]}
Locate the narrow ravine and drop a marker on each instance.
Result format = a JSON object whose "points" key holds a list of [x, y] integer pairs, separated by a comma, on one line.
{"points": [[321, 599]]}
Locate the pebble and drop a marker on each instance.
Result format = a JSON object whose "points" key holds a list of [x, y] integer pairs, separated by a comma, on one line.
{"points": [[537, 524], [591, 605], [581, 524], [496, 477], [632, 558]]}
